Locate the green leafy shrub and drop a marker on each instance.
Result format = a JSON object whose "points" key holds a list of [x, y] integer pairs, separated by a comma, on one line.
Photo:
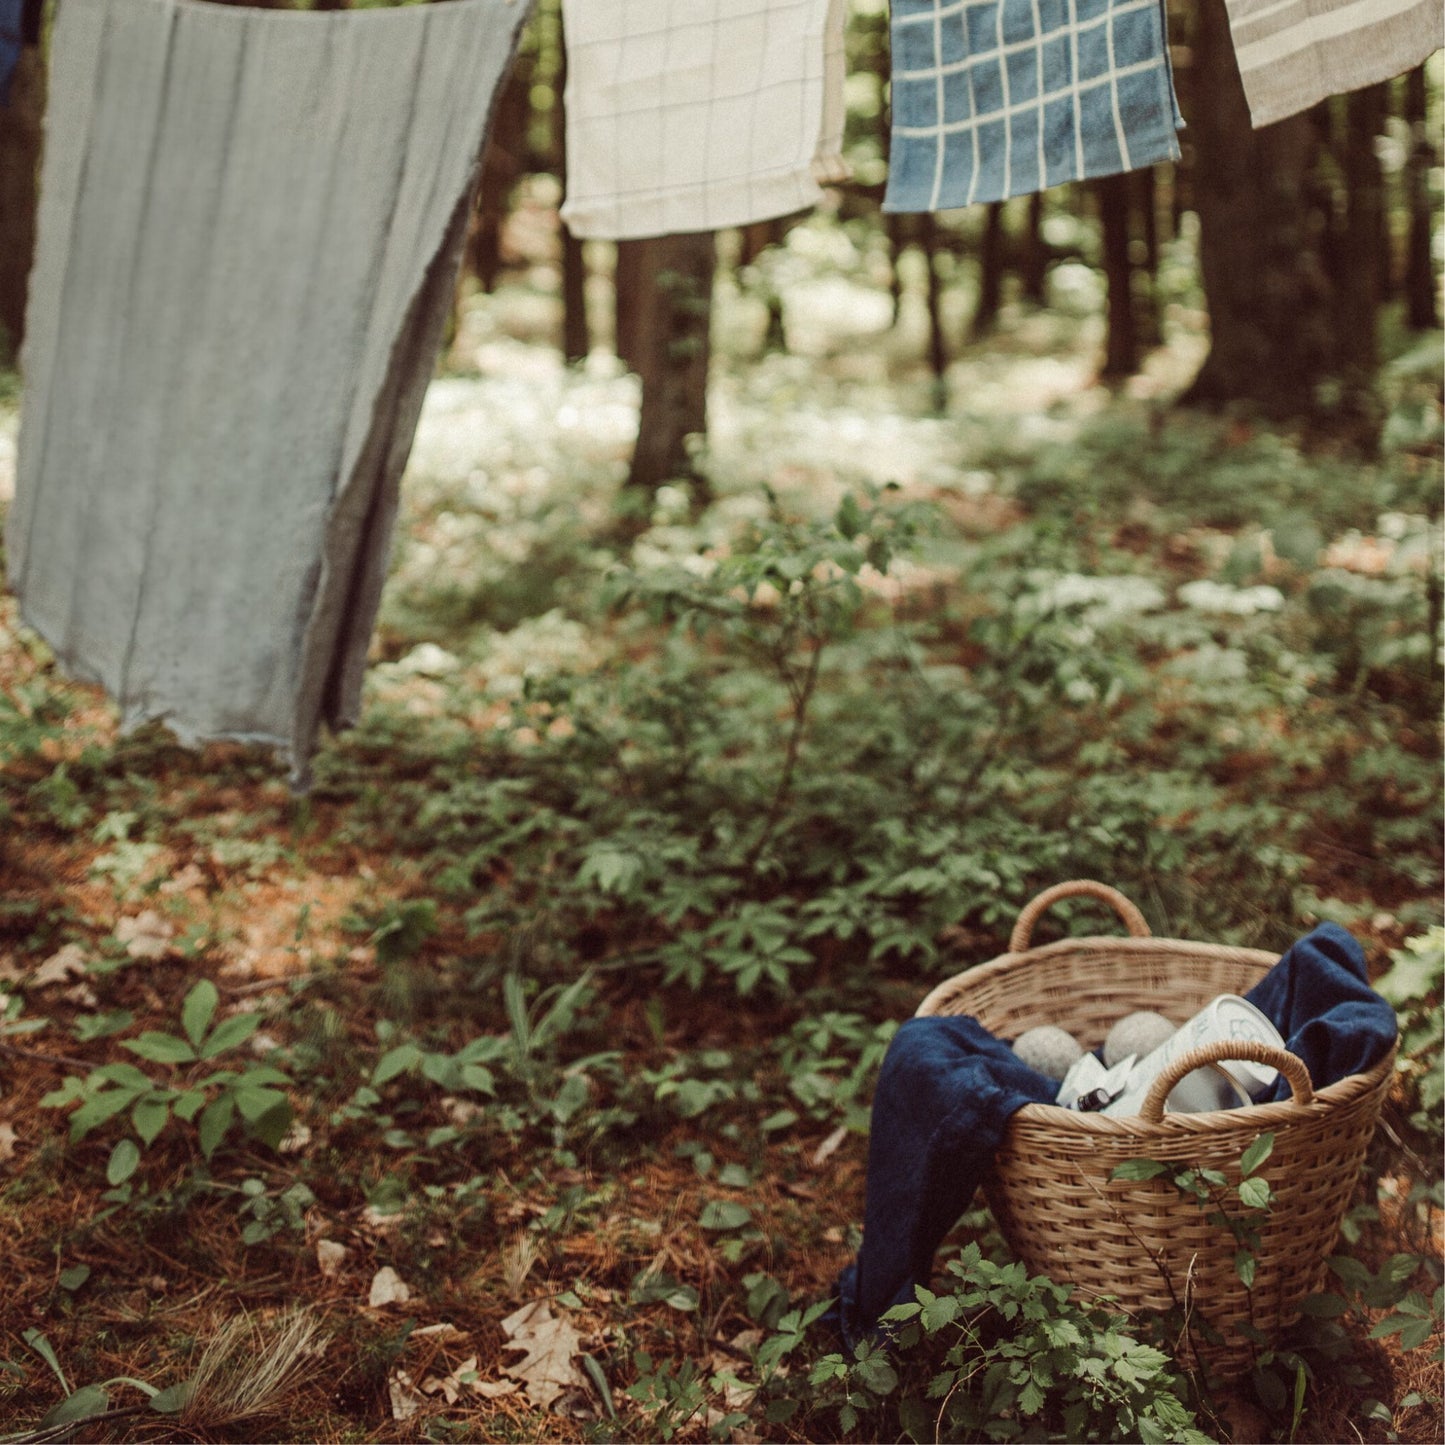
{"points": [[1008, 1356], [214, 1100], [1414, 984]]}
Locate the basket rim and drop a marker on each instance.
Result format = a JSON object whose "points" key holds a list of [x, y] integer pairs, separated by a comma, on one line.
{"points": [[1099, 943], [1106, 1127]]}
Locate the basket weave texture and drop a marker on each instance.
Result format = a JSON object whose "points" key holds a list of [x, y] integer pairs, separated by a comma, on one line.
{"points": [[1145, 1243]]}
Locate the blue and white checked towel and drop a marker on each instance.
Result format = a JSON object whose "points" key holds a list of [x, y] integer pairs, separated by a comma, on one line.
{"points": [[998, 98]]}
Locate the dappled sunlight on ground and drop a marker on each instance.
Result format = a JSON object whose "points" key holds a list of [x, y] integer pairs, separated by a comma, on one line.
{"points": [[568, 833]]}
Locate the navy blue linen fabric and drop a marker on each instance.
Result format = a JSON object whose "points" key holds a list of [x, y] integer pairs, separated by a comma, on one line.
{"points": [[12, 38], [948, 1087], [1319, 997], [998, 98], [945, 1093]]}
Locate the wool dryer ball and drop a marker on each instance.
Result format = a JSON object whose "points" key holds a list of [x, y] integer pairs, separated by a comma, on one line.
{"points": [[1137, 1033], [1048, 1049]]}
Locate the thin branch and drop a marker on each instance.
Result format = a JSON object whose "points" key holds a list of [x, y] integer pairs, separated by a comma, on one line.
{"points": [[59, 1061], [44, 1435], [790, 760]]}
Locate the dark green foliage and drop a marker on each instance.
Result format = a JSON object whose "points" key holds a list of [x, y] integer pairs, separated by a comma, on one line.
{"points": [[1008, 1357]]}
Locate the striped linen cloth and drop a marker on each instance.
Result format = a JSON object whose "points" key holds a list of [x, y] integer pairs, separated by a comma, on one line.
{"points": [[250, 222], [690, 115], [998, 98], [1293, 53]]}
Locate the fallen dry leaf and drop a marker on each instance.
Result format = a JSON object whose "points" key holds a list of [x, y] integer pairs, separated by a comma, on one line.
{"points": [[189, 877], [829, 1146], [147, 935], [9, 972], [387, 1288], [60, 967], [262, 1043], [7, 1142], [330, 1256], [451, 1385], [295, 1140], [382, 1221], [495, 1389], [406, 1399], [459, 1112], [737, 1393], [444, 1333], [546, 1370]]}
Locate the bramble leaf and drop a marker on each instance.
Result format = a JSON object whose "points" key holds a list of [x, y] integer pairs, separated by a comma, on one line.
{"points": [[1132, 1170], [230, 1032], [123, 1161], [198, 1010], [1256, 1154], [161, 1048]]}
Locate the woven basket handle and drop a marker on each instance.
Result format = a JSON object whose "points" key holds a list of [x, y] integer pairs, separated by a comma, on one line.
{"points": [[1290, 1065], [1023, 932]]}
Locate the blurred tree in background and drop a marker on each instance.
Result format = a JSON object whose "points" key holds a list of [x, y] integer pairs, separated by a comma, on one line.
{"points": [[1305, 231], [20, 140]]}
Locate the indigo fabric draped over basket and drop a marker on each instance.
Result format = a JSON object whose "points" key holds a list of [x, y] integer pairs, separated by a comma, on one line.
{"points": [[249, 228]]}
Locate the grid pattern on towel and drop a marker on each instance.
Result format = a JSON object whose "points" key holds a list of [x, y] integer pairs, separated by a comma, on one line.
{"points": [[1293, 53], [689, 115], [999, 98]]}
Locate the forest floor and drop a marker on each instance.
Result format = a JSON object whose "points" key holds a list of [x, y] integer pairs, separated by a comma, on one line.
{"points": [[545, 1027]]}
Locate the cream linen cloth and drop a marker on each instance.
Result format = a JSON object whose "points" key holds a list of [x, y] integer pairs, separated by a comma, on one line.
{"points": [[690, 115], [249, 228], [1293, 53]]}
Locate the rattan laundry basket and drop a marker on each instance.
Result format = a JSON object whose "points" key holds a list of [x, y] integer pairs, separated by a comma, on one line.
{"points": [[1145, 1243]]}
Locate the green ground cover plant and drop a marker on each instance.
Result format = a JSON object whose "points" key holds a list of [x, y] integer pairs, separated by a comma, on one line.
{"points": [[530, 1055]]}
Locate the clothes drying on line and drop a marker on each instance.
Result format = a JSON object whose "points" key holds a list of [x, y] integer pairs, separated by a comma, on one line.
{"points": [[691, 117], [999, 98], [1293, 53], [249, 230]]}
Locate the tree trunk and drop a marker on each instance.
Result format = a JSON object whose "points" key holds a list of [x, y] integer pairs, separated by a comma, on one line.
{"points": [[1422, 311], [1034, 265], [1146, 277], [754, 239], [1121, 351], [990, 272], [20, 138], [1363, 261], [1269, 305], [670, 351], [576, 340], [633, 298], [503, 163], [937, 349], [895, 231]]}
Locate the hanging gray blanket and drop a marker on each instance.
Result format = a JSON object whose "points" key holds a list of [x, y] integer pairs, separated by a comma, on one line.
{"points": [[249, 229]]}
